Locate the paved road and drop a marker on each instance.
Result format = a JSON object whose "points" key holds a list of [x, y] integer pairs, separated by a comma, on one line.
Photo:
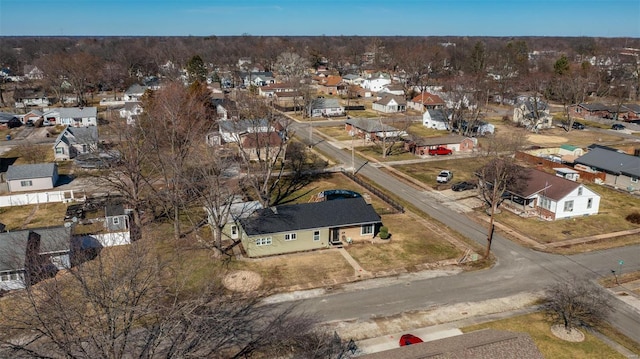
{"points": [[518, 269]]}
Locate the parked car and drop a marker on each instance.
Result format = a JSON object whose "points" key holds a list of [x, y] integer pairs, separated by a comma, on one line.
{"points": [[408, 339], [577, 126], [444, 176], [440, 151], [617, 126], [463, 186]]}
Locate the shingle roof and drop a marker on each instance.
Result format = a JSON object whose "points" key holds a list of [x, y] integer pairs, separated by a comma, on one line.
{"points": [[553, 186], [325, 103], [38, 170], [481, 344], [334, 213], [241, 126], [438, 115], [78, 135], [386, 98], [611, 161], [13, 245], [370, 125], [428, 99], [75, 112]]}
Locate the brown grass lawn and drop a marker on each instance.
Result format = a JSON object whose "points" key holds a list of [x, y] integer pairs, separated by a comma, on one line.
{"points": [[418, 129], [33, 216], [614, 207], [539, 329], [411, 243], [338, 133], [397, 152], [463, 169]]}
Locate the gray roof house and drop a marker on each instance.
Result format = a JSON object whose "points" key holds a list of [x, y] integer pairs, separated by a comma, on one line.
{"points": [[74, 141], [371, 129], [307, 226], [622, 170], [72, 116], [31, 255], [436, 119], [32, 177], [325, 107]]}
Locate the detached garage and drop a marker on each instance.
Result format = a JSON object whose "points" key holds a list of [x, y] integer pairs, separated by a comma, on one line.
{"points": [[33, 177]]}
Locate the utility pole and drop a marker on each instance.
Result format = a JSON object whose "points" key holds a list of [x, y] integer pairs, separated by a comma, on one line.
{"points": [[353, 156]]}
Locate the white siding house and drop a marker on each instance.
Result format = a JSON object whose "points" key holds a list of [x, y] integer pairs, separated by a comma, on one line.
{"points": [[436, 119], [32, 177], [72, 116]]}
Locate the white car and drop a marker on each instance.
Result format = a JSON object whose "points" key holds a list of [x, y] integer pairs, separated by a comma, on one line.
{"points": [[444, 176]]}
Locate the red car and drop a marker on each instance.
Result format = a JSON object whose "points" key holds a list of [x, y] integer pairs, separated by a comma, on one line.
{"points": [[409, 339], [440, 151]]}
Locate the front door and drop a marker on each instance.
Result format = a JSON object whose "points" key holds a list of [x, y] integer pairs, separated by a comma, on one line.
{"points": [[335, 236]]}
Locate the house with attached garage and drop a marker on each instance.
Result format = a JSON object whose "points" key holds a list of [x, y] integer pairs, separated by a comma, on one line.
{"points": [[426, 101], [551, 197], [231, 131], [74, 141], [31, 177], [72, 116], [456, 143], [371, 129], [621, 170], [228, 216], [307, 226], [28, 256], [532, 113]]}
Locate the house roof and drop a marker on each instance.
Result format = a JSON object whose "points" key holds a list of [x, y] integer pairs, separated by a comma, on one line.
{"points": [[569, 147], [114, 209], [38, 170], [241, 126], [386, 99], [370, 125], [78, 135], [438, 115], [13, 245], [441, 140], [481, 344], [611, 161], [238, 210], [633, 107], [331, 80], [136, 89], [261, 139], [334, 213], [6, 117], [552, 186], [428, 99], [131, 105], [320, 103], [596, 106], [74, 112]]}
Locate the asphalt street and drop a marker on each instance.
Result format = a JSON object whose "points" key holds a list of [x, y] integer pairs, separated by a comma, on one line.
{"points": [[518, 269]]}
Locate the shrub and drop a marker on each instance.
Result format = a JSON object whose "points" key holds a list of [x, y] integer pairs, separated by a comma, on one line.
{"points": [[633, 218], [384, 233]]}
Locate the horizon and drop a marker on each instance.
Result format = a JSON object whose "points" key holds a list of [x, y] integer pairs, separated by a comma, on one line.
{"points": [[365, 18]]}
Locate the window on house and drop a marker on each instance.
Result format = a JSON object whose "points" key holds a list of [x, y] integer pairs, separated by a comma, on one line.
{"points": [[59, 150], [589, 203], [366, 229], [4, 277], [568, 206], [234, 230], [316, 235], [263, 241], [579, 191], [290, 237], [14, 276], [634, 179], [116, 220], [28, 183]]}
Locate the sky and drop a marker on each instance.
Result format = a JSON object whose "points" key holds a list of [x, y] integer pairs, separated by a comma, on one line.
{"points": [[599, 18]]}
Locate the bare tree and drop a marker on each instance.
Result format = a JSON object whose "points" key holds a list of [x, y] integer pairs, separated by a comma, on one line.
{"points": [[32, 153], [77, 70], [499, 175], [136, 302], [291, 67], [576, 303]]}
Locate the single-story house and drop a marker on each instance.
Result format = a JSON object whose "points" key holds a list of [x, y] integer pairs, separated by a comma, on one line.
{"points": [[272, 89], [72, 116], [371, 129], [31, 117], [232, 130], [32, 177], [28, 256], [31, 97], [622, 170], [353, 79], [455, 143], [325, 107], [436, 119], [257, 78], [389, 103], [533, 114], [392, 89], [10, 120], [74, 141], [307, 226], [552, 197], [134, 93], [426, 101]]}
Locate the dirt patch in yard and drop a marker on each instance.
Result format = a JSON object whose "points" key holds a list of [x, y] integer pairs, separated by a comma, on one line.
{"points": [[546, 140], [242, 281]]}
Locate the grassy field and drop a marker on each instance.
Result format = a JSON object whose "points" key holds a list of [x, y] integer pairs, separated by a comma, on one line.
{"points": [[539, 329], [33, 216], [463, 169]]}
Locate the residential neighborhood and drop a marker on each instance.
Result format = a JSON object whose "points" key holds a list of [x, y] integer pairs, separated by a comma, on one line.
{"points": [[361, 183]]}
